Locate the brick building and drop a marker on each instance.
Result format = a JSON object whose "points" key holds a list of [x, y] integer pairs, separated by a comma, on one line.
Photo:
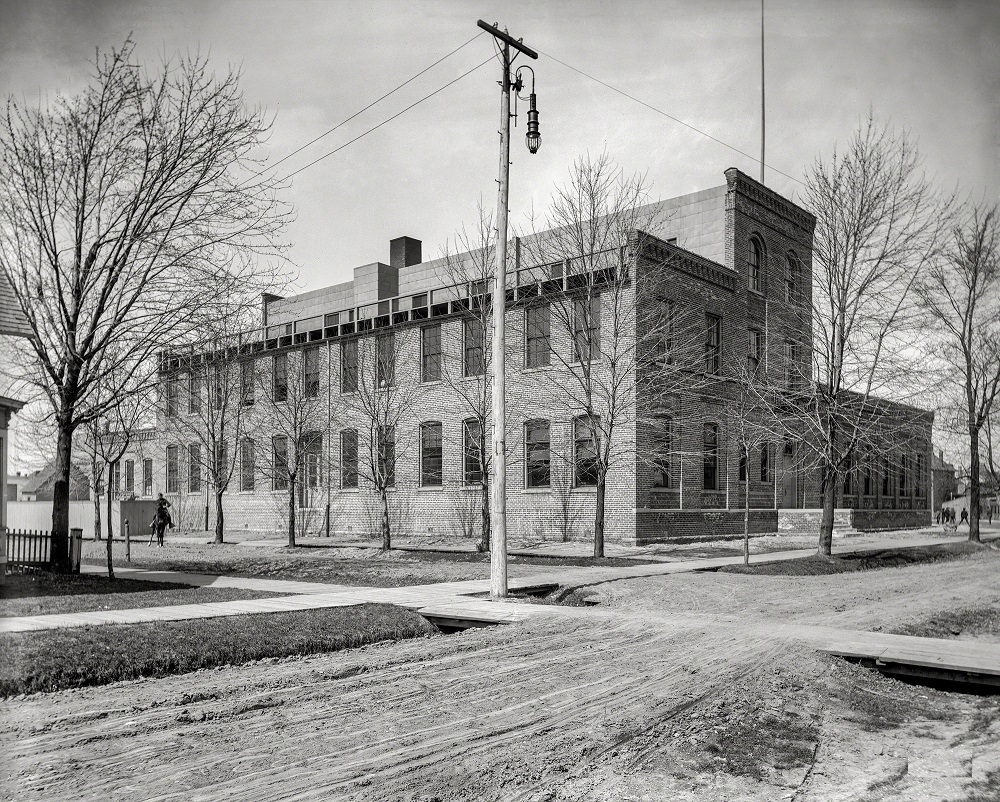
{"points": [[733, 263]]}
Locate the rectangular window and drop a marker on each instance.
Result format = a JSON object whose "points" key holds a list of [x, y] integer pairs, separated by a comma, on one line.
{"points": [[172, 470], [869, 477], [147, 477], [248, 466], [246, 382], [713, 344], [743, 463], [171, 398], [194, 394], [310, 372], [473, 340], [663, 445], [349, 366], [472, 468], [587, 329], [387, 455], [220, 465], [755, 340], [710, 449], [349, 458], [904, 478], [536, 453], [279, 463], [385, 359], [585, 438], [194, 468], [537, 345], [279, 377], [130, 476], [311, 449], [116, 479], [765, 463], [430, 353], [218, 394], [431, 455], [886, 477]]}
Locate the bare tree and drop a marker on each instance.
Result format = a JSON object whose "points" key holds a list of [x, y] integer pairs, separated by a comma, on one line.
{"points": [[380, 395], [610, 325], [106, 440], [126, 214], [221, 388], [472, 267], [291, 404], [879, 225], [960, 293]]}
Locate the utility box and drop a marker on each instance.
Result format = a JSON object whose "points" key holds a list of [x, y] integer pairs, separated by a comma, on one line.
{"points": [[75, 549]]}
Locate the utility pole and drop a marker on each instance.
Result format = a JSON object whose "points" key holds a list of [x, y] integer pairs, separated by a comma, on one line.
{"points": [[498, 488]]}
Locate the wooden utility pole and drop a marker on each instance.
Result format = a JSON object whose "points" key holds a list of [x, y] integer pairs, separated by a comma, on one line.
{"points": [[498, 489]]}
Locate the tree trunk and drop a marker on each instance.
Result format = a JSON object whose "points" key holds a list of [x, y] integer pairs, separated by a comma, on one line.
{"points": [[974, 484], [829, 500], [599, 515], [484, 537], [111, 566], [97, 514], [291, 512], [59, 554], [386, 534], [220, 519], [746, 516], [111, 529]]}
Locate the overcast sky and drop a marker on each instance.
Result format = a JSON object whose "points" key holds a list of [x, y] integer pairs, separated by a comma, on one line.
{"points": [[930, 67]]}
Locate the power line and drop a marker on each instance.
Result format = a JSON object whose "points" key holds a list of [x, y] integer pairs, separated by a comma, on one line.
{"points": [[389, 119], [374, 102], [669, 116]]}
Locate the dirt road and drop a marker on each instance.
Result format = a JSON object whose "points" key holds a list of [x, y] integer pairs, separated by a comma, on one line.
{"points": [[683, 688]]}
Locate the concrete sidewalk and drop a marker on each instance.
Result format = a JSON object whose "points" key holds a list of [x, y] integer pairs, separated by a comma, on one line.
{"points": [[453, 598]]}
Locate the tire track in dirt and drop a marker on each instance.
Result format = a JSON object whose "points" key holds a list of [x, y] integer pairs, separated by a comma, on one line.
{"points": [[555, 680]]}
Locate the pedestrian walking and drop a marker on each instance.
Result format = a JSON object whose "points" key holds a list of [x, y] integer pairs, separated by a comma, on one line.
{"points": [[965, 516]]}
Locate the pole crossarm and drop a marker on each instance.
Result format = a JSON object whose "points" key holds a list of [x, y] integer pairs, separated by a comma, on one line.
{"points": [[507, 39]]}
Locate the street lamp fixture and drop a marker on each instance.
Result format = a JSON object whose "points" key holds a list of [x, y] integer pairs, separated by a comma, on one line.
{"points": [[533, 138]]}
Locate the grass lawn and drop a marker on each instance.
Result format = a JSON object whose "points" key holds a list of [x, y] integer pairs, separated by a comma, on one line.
{"points": [[968, 621], [54, 659], [858, 561], [338, 566], [44, 593]]}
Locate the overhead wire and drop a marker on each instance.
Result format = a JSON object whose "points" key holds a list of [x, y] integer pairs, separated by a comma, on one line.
{"points": [[390, 119], [375, 102], [669, 116]]}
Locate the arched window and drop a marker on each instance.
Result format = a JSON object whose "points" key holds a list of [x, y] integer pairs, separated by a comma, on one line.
{"points": [[756, 263], [791, 276]]}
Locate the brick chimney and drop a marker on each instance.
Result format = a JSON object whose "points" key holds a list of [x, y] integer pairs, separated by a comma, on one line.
{"points": [[404, 251]]}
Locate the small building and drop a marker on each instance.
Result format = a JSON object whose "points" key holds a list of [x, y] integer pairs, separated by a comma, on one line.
{"points": [[945, 481]]}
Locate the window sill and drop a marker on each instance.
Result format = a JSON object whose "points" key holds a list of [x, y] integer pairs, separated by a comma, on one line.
{"points": [[537, 369], [584, 489], [547, 490], [431, 382], [470, 487], [430, 488]]}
